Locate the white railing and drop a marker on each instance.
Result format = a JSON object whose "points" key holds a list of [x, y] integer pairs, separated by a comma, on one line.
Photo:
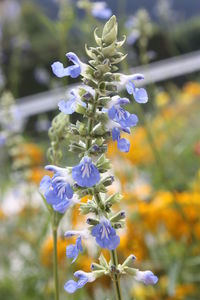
{"points": [[154, 72]]}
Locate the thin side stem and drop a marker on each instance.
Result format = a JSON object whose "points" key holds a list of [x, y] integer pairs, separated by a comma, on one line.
{"points": [[55, 259], [116, 281]]}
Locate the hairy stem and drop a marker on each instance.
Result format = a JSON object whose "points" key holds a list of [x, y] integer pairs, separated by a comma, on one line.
{"points": [[116, 281], [55, 258]]}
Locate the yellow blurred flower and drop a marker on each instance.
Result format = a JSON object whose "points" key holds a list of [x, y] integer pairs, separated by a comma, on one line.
{"points": [[182, 291], [2, 215], [162, 99], [28, 154], [177, 211], [84, 262], [192, 88]]}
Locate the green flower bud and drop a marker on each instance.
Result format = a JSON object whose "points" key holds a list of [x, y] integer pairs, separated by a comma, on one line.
{"points": [[97, 267], [80, 109], [103, 262], [110, 31], [129, 260], [118, 217]]}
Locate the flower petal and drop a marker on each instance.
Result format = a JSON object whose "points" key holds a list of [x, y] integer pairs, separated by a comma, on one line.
{"points": [[71, 286], [140, 95], [123, 145], [115, 134], [59, 70]]}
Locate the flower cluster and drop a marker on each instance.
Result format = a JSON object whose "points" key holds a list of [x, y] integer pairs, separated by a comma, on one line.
{"points": [[102, 116]]}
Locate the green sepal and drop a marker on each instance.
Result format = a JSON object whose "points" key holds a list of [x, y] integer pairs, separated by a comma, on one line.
{"points": [[89, 207], [128, 260], [107, 181], [103, 262], [130, 271], [115, 198], [99, 141], [103, 101], [104, 67], [97, 39], [90, 53], [105, 87], [118, 225], [92, 221], [121, 43], [98, 129], [77, 147], [117, 217], [103, 164], [80, 109], [97, 267], [114, 68], [110, 50], [108, 77], [114, 61]]}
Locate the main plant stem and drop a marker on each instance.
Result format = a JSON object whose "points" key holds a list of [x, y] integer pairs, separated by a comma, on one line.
{"points": [[113, 253], [55, 257]]}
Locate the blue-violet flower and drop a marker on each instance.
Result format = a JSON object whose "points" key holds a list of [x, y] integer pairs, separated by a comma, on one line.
{"points": [[147, 277], [118, 114], [72, 251], [71, 286], [139, 94], [105, 234], [85, 173], [73, 71], [69, 107]]}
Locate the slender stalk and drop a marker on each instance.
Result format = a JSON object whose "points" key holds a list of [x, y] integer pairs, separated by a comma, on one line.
{"points": [[116, 281], [55, 258], [114, 260]]}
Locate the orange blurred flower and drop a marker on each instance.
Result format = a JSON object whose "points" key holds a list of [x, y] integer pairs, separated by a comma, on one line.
{"points": [[192, 88], [46, 254], [35, 174], [32, 152]]}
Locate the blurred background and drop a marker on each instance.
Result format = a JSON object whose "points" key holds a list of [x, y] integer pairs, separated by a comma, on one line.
{"points": [[160, 176]]}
